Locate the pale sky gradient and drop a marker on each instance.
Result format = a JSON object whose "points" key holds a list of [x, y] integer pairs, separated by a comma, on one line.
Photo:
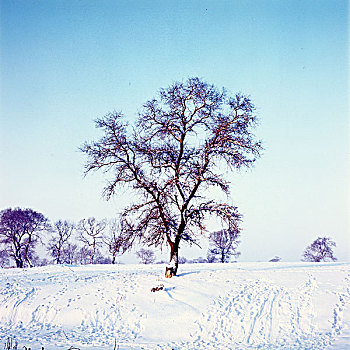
{"points": [[65, 63]]}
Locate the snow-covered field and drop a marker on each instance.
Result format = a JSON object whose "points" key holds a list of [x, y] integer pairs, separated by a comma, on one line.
{"points": [[208, 306]]}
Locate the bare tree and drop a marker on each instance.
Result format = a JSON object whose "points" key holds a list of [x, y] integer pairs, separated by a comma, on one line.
{"points": [[4, 257], [211, 258], [224, 244], [182, 260], [114, 240], [70, 254], [320, 250], [21, 230], [175, 153], [199, 260], [91, 234], [62, 231], [146, 256], [83, 255], [101, 259]]}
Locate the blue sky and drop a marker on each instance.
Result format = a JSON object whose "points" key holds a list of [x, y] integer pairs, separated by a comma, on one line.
{"points": [[65, 63]]}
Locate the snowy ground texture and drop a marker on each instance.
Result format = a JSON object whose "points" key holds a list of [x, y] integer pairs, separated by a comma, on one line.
{"points": [[208, 306]]}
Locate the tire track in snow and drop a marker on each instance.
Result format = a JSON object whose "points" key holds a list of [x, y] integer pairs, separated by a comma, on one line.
{"points": [[14, 304], [271, 314], [250, 314], [256, 317]]}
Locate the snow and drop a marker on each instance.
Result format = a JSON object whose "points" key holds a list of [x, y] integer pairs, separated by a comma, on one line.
{"points": [[207, 306]]}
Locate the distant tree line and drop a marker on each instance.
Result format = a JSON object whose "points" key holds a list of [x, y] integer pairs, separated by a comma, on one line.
{"points": [[27, 239]]}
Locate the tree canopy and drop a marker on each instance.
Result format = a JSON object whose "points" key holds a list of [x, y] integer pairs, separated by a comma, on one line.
{"points": [[223, 245], [20, 231], [321, 249], [171, 157]]}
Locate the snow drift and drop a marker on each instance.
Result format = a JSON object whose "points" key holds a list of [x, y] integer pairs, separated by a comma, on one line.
{"points": [[207, 306]]}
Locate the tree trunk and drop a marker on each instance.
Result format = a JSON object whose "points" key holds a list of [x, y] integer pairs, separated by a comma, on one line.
{"points": [[92, 254], [17, 253], [29, 262], [58, 260], [171, 269], [26, 256], [19, 262]]}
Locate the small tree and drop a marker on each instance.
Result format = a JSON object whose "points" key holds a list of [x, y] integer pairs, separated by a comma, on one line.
{"points": [[199, 260], [100, 259], [70, 254], [20, 231], [4, 257], [91, 234], [146, 256], [42, 262], [224, 244], [114, 240], [320, 250], [182, 260], [211, 258], [176, 152], [83, 255], [62, 231]]}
